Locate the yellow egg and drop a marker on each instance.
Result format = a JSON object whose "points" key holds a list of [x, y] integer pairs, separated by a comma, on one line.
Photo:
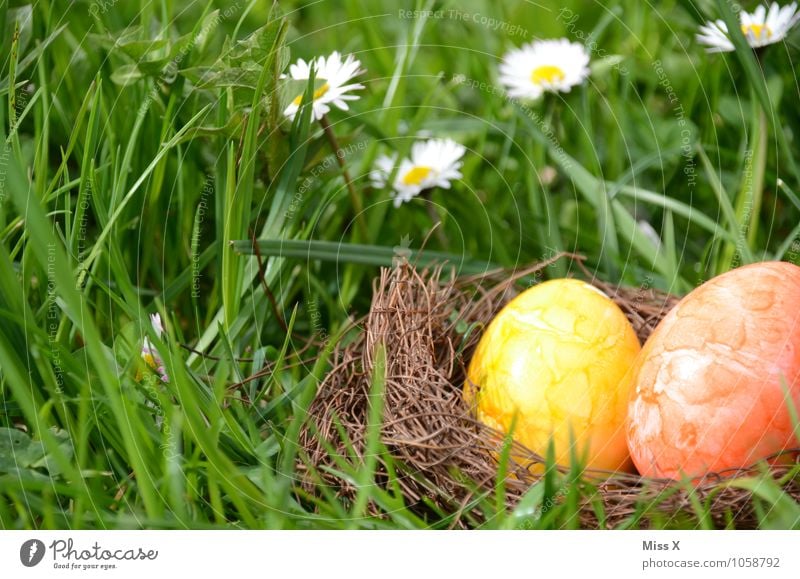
{"points": [[559, 357]]}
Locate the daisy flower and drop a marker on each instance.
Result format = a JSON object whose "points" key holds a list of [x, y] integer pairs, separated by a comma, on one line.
{"points": [[149, 352], [544, 66], [432, 163], [760, 28], [333, 75]]}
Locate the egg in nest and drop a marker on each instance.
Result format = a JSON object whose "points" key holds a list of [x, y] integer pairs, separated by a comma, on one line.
{"points": [[710, 386], [558, 358]]}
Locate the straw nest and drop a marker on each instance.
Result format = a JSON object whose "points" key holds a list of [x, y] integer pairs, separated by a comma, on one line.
{"points": [[429, 324]]}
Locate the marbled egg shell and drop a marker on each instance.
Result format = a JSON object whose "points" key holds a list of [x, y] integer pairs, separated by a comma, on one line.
{"points": [[559, 358], [708, 394]]}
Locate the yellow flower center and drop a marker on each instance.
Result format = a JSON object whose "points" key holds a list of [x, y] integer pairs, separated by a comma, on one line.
{"points": [[317, 94], [150, 361], [757, 30], [547, 74], [416, 175]]}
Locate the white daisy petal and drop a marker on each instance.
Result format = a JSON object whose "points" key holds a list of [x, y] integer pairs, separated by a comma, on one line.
{"points": [[773, 16], [715, 36], [155, 321], [332, 77], [761, 28], [384, 165]]}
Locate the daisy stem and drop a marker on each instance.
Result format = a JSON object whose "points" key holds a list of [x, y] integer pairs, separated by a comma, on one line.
{"points": [[435, 218], [759, 160], [759, 169], [358, 208]]}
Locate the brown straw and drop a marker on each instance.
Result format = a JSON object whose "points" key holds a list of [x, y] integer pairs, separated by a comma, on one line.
{"points": [[430, 323]]}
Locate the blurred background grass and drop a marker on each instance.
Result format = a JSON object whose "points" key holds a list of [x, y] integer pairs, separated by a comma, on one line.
{"points": [[140, 138]]}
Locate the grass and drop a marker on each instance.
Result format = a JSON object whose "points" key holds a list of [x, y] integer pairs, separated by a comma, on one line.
{"points": [[144, 149]]}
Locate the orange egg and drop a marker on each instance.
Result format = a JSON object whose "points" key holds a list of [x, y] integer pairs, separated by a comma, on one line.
{"points": [[708, 386]]}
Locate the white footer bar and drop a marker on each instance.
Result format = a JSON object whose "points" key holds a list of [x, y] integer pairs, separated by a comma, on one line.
{"points": [[351, 555]]}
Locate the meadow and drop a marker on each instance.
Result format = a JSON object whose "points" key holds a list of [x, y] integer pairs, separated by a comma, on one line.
{"points": [[151, 165]]}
